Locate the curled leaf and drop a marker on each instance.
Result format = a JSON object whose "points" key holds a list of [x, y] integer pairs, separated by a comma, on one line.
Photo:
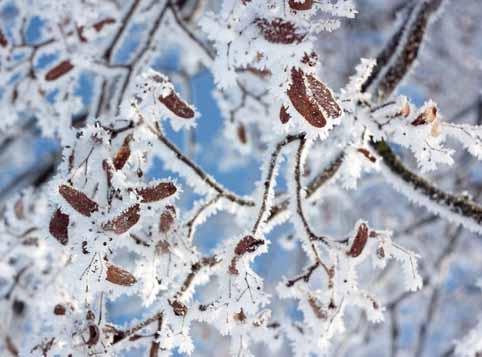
{"points": [[124, 221], [58, 227], [119, 276], [78, 200], [360, 241], [156, 193], [59, 70]]}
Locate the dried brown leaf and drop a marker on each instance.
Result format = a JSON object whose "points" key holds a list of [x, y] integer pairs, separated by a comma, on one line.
{"points": [[59, 70], [123, 153], [360, 241], [302, 103], [119, 276], [177, 106], [156, 193], [124, 221], [58, 227], [284, 116], [323, 96], [78, 200], [279, 31]]}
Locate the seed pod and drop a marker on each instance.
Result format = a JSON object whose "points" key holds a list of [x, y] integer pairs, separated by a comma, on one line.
{"points": [[167, 219], [279, 31], [58, 227], [59, 70], [177, 105], [300, 5], [119, 276], [156, 193], [284, 116], [302, 103], [78, 200], [360, 241], [124, 221], [123, 153], [323, 97]]}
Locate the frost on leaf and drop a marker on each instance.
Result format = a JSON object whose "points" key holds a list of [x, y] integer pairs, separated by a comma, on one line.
{"points": [[78, 200], [122, 223], [119, 276], [312, 99], [157, 192]]}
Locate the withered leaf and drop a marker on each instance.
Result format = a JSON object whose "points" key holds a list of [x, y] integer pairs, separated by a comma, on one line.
{"points": [[124, 221], [302, 103], [78, 200], [177, 106], [247, 245], [119, 276], [58, 227], [167, 219], [279, 31], [360, 241], [59, 70], [156, 193], [284, 116], [323, 97], [301, 5], [123, 153]]}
